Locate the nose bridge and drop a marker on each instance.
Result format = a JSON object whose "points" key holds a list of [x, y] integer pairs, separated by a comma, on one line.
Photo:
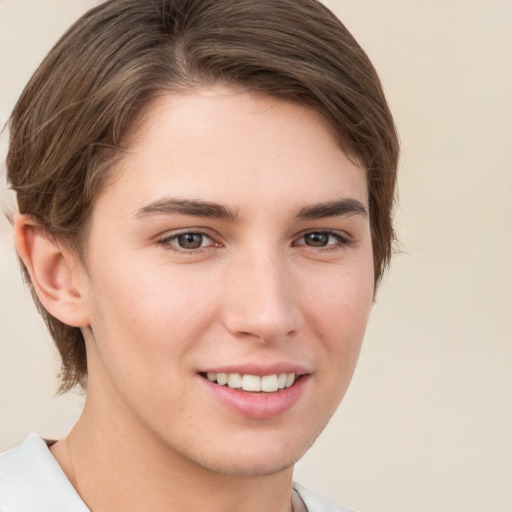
{"points": [[261, 302]]}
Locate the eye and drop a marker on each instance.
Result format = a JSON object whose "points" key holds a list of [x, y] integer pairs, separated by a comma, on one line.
{"points": [[190, 240], [187, 241], [322, 239]]}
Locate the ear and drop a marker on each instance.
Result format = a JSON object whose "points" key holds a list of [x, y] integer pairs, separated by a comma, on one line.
{"points": [[59, 280]]}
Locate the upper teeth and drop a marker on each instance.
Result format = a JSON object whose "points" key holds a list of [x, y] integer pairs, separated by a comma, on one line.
{"points": [[267, 383]]}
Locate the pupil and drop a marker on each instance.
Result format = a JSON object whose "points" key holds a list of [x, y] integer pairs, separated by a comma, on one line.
{"points": [[317, 239], [190, 241]]}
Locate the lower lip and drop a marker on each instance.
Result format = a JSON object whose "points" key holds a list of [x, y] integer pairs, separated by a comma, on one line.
{"points": [[258, 406]]}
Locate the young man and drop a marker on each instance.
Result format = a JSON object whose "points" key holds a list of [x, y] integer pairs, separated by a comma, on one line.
{"points": [[204, 211]]}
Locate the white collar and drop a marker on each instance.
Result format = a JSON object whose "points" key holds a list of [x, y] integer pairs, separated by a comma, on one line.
{"points": [[31, 480]]}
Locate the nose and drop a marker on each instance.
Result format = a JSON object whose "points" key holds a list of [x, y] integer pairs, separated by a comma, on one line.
{"points": [[260, 301]]}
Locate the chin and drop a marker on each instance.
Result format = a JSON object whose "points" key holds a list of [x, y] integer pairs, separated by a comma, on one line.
{"points": [[250, 467], [254, 457]]}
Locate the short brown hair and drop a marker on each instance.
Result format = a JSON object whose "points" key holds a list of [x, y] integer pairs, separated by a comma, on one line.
{"points": [[72, 117]]}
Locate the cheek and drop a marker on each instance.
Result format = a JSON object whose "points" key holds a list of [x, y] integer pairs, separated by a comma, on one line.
{"points": [[145, 329], [338, 314], [342, 301], [152, 313]]}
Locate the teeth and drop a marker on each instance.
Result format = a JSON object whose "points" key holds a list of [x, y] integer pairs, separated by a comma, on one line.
{"points": [[251, 383], [234, 380], [222, 379], [267, 383]]}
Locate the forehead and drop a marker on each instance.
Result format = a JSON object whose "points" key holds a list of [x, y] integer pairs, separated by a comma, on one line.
{"points": [[224, 144]]}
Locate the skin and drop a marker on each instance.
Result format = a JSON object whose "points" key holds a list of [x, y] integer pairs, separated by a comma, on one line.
{"points": [[257, 291]]}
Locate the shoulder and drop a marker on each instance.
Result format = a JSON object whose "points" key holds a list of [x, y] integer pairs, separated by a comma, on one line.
{"points": [[32, 480], [315, 503]]}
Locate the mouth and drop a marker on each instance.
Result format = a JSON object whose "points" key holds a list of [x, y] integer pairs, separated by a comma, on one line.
{"points": [[253, 383], [254, 395]]}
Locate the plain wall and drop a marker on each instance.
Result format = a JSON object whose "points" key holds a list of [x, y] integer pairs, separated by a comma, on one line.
{"points": [[427, 422]]}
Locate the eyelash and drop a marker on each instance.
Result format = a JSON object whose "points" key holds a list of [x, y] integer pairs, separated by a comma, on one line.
{"points": [[342, 240]]}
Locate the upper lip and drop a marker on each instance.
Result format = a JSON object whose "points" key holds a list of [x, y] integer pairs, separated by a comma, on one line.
{"points": [[258, 369]]}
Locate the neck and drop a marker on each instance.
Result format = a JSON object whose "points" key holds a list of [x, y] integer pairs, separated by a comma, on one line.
{"points": [[124, 469]]}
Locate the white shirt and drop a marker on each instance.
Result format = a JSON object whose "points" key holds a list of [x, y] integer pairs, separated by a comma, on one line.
{"points": [[31, 480]]}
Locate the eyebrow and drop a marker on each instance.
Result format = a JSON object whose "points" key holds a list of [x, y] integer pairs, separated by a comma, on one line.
{"points": [[196, 208], [208, 209], [339, 208]]}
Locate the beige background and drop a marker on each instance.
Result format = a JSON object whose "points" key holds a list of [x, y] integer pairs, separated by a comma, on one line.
{"points": [[427, 422]]}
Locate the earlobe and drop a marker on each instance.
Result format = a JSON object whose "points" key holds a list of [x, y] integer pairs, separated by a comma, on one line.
{"points": [[57, 277]]}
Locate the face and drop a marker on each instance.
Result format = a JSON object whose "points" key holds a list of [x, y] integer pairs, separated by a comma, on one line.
{"points": [[229, 279]]}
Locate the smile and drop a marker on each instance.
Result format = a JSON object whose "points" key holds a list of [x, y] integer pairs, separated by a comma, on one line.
{"points": [[255, 383], [254, 395]]}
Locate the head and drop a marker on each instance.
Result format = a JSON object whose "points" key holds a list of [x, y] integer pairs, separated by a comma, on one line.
{"points": [[74, 122]]}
